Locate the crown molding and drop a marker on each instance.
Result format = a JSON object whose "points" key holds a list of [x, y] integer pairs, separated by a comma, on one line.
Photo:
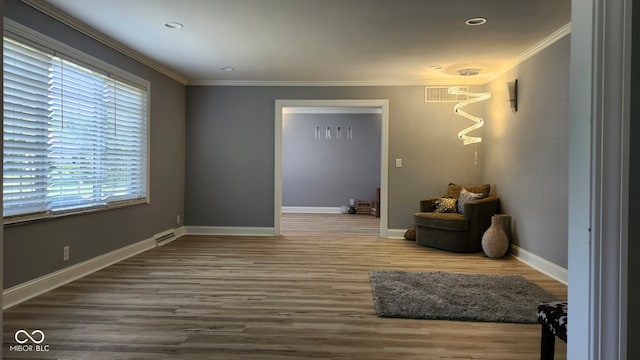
{"points": [[536, 48], [85, 29], [543, 44], [299, 83], [432, 82]]}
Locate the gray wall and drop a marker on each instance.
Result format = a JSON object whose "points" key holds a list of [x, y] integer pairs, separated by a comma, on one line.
{"points": [[526, 153], [230, 150], [35, 249], [328, 172]]}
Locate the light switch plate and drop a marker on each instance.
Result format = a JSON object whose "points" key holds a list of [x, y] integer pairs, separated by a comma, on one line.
{"points": [[398, 163]]}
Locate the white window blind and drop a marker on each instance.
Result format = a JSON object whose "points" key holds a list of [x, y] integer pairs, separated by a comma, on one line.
{"points": [[74, 138]]}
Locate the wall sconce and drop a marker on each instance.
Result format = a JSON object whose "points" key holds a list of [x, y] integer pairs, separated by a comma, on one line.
{"points": [[513, 94]]}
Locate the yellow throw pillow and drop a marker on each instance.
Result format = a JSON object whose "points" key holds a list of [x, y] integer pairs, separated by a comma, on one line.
{"points": [[446, 205]]}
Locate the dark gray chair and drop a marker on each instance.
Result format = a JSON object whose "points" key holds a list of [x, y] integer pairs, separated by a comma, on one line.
{"points": [[459, 232]]}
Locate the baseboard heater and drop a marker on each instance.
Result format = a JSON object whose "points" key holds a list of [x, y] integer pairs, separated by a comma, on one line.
{"points": [[164, 237]]}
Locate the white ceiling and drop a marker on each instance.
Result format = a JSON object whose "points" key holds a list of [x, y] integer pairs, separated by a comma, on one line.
{"points": [[368, 42]]}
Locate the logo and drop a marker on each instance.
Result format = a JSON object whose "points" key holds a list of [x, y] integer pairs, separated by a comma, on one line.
{"points": [[21, 334], [29, 341]]}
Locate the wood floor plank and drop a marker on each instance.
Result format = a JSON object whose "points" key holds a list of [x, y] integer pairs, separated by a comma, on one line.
{"points": [[305, 294]]}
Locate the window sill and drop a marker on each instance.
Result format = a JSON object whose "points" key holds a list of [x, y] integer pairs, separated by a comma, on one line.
{"points": [[19, 220]]}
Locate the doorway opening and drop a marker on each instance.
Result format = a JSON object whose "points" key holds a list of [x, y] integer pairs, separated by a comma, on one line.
{"points": [[380, 106]]}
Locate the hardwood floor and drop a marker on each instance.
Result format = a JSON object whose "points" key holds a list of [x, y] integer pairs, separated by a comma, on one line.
{"points": [[303, 295], [329, 224]]}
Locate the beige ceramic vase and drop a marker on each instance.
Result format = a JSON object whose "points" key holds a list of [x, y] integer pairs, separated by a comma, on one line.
{"points": [[495, 242]]}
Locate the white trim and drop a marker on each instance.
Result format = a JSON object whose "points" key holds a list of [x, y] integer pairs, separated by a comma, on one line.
{"points": [[331, 110], [85, 29], [25, 291], [229, 230], [277, 169], [396, 233], [476, 81], [580, 339], [311, 210], [543, 44], [599, 167], [180, 232], [280, 104], [384, 171], [536, 48], [541, 264]]}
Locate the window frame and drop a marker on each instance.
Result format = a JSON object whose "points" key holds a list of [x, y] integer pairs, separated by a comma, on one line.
{"points": [[44, 43]]}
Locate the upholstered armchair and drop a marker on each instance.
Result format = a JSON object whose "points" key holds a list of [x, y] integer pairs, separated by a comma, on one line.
{"points": [[456, 221]]}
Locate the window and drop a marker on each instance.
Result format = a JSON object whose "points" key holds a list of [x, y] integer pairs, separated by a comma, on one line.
{"points": [[75, 136]]}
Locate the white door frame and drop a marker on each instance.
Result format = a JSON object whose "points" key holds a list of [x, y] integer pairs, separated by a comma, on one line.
{"points": [[599, 179], [384, 152]]}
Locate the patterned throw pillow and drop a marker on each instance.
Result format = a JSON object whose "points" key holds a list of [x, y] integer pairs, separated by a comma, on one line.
{"points": [[446, 205], [466, 196]]}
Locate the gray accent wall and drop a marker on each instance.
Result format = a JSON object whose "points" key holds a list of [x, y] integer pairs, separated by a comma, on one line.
{"points": [[526, 152], [35, 249], [230, 150], [326, 172]]}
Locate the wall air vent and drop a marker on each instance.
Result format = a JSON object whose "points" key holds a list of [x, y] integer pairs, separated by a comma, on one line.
{"points": [[441, 94], [164, 237]]}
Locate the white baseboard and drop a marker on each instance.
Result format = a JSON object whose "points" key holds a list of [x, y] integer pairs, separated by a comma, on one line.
{"points": [[229, 230], [38, 286], [543, 265], [180, 232], [396, 233], [311, 210]]}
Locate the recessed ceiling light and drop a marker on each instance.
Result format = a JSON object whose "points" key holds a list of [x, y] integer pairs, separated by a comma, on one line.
{"points": [[226, 68], [173, 25], [476, 21]]}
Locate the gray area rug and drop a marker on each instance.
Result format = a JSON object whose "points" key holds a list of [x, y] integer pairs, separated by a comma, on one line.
{"points": [[451, 296]]}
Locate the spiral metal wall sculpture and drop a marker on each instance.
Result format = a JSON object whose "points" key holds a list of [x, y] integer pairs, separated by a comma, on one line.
{"points": [[471, 98]]}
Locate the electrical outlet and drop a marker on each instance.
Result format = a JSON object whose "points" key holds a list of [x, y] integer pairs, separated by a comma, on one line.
{"points": [[65, 253], [178, 219]]}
